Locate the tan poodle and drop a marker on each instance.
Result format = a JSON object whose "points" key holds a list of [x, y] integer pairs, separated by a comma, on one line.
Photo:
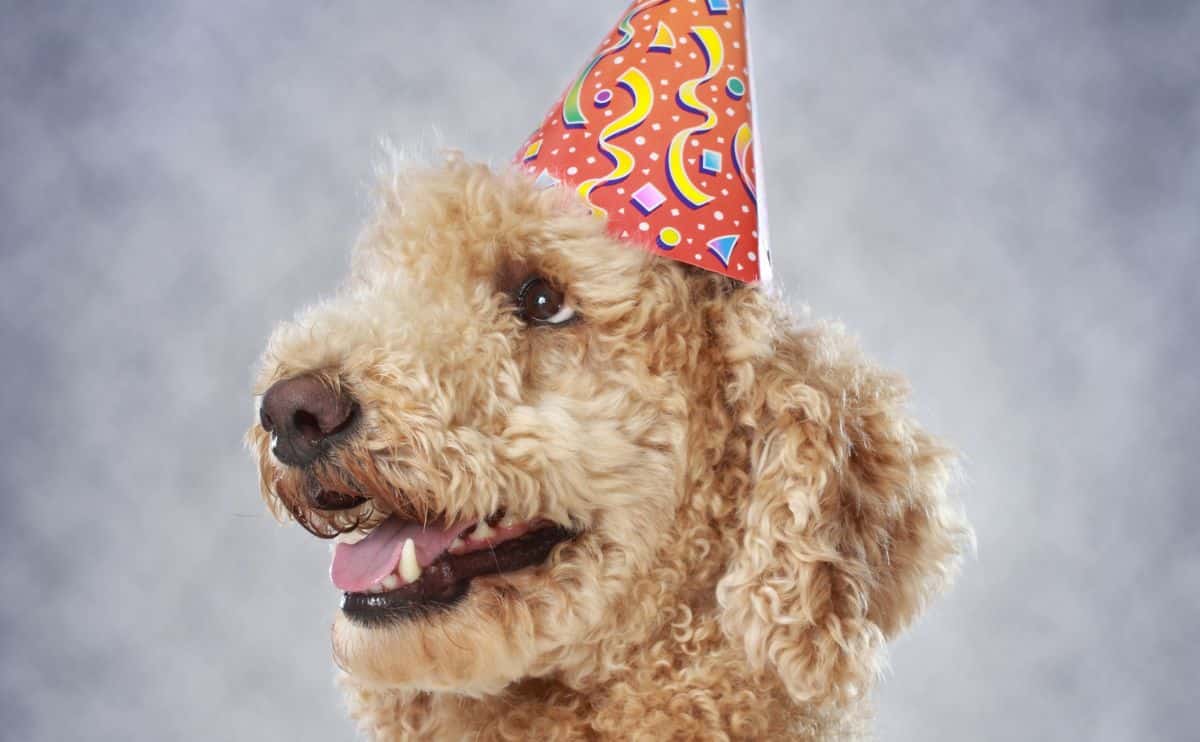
{"points": [[585, 493]]}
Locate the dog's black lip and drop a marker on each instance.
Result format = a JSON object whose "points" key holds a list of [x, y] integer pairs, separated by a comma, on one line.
{"points": [[333, 501], [447, 581]]}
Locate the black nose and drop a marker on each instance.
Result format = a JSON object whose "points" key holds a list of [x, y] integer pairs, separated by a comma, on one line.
{"points": [[306, 416]]}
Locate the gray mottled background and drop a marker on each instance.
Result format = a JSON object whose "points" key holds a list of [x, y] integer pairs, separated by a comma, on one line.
{"points": [[1003, 199]]}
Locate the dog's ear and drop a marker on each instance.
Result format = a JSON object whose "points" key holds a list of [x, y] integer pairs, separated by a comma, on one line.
{"points": [[847, 528]]}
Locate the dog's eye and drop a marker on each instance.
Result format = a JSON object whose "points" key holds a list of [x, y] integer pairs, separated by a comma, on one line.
{"points": [[541, 303]]}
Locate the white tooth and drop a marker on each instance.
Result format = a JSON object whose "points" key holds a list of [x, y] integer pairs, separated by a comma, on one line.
{"points": [[376, 588], [391, 582], [457, 544], [482, 531], [508, 521], [410, 570]]}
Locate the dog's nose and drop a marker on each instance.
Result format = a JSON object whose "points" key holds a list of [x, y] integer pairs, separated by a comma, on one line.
{"points": [[306, 415]]}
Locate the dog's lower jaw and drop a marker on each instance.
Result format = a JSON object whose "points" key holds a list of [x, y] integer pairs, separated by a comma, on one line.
{"points": [[493, 672], [403, 654]]}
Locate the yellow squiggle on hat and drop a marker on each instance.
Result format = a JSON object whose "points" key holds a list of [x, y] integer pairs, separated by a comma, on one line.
{"points": [[714, 52], [638, 86]]}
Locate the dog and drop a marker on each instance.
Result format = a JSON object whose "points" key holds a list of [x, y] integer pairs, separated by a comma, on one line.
{"points": [[582, 492]]}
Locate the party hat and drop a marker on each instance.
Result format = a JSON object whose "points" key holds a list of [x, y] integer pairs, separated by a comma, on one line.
{"points": [[656, 134]]}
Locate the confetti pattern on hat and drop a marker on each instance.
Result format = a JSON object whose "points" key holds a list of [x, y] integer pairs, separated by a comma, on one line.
{"points": [[656, 134]]}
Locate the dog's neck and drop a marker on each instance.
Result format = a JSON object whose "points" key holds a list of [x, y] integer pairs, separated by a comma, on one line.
{"points": [[654, 696]]}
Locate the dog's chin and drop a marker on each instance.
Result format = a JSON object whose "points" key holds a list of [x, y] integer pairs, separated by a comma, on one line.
{"points": [[477, 643]]}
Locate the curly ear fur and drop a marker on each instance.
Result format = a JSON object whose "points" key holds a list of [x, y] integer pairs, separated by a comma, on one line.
{"points": [[847, 529]]}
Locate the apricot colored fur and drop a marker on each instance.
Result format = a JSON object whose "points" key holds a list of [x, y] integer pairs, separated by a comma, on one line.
{"points": [[758, 513]]}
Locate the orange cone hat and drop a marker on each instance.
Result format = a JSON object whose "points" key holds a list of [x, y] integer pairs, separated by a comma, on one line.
{"points": [[656, 134]]}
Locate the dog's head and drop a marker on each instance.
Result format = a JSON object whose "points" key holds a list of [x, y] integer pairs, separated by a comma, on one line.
{"points": [[527, 438]]}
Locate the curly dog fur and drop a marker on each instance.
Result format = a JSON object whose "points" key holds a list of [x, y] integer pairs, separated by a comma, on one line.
{"points": [[756, 511]]}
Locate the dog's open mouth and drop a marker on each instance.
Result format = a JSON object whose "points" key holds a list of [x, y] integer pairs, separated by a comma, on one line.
{"points": [[404, 568]]}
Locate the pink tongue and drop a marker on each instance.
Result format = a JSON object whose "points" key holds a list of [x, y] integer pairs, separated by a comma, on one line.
{"points": [[356, 567]]}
